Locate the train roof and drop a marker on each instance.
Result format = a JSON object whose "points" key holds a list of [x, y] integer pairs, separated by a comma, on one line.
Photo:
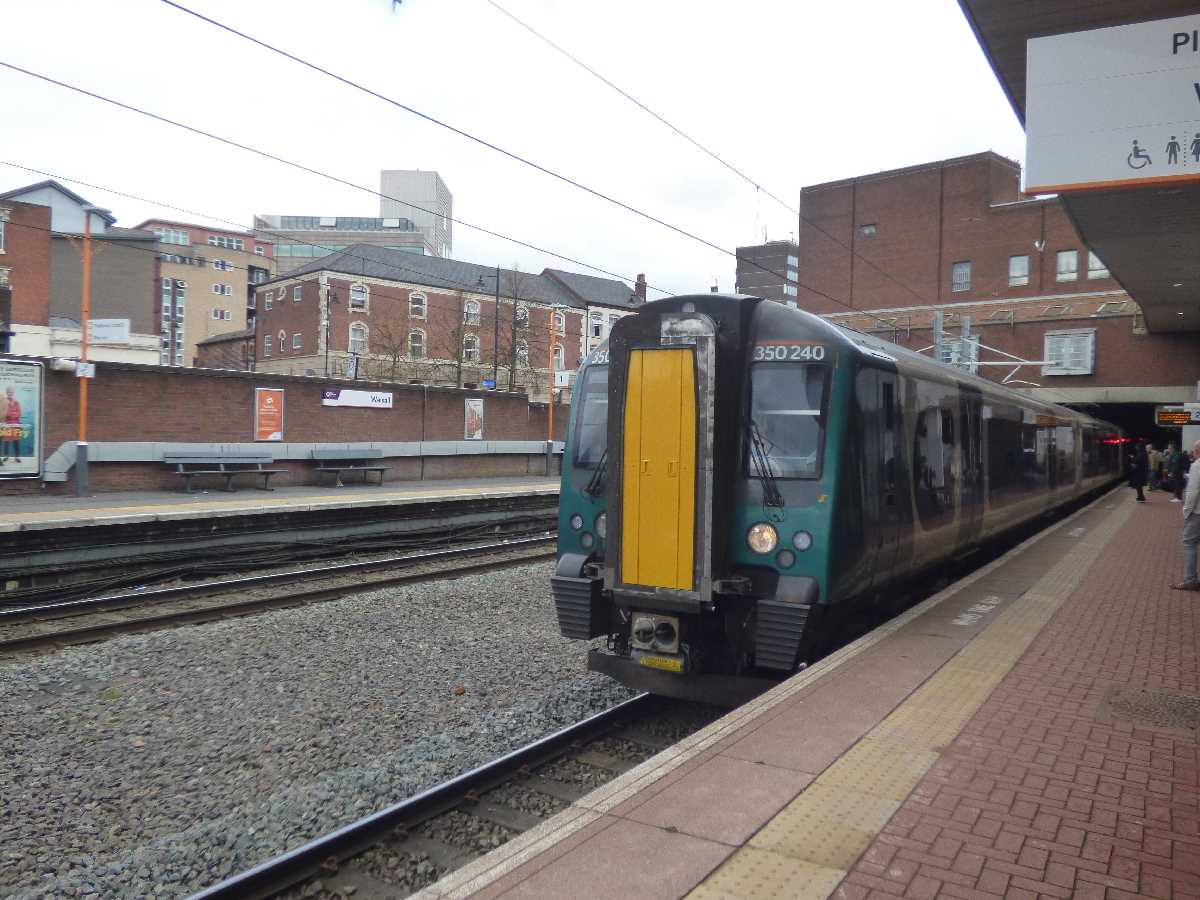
{"points": [[871, 347]]}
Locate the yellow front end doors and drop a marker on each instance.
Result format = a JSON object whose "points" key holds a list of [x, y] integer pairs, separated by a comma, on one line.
{"points": [[659, 478]]}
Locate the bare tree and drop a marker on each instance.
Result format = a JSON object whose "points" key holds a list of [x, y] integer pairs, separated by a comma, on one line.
{"points": [[389, 347]]}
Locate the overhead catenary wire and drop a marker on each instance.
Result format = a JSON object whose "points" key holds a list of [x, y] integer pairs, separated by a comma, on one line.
{"points": [[642, 106], [338, 180], [545, 170], [305, 168]]}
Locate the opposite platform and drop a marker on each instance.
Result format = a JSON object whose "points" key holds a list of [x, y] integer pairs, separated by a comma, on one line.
{"points": [[39, 513], [1031, 730]]}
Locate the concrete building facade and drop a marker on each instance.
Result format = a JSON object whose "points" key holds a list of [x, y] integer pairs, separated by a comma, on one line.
{"points": [[885, 252], [423, 198], [769, 270], [206, 285], [299, 240]]}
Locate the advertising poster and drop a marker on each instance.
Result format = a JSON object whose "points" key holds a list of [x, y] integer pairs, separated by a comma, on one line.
{"points": [[368, 399], [268, 414], [20, 419], [473, 428]]}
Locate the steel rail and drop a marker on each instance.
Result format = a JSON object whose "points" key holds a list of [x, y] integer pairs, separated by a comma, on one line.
{"points": [[101, 631], [19, 614], [322, 854]]}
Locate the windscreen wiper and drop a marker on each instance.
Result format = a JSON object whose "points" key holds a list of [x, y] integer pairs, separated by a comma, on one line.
{"points": [[596, 483], [760, 459]]}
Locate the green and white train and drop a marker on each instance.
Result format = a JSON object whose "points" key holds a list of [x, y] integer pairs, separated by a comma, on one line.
{"points": [[738, 475]]}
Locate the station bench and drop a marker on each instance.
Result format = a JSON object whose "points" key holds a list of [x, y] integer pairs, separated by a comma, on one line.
{"points": [[226, 465], [339, 461]]}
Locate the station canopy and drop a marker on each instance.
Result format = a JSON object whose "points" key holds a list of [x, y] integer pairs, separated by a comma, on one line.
{"points": [[1147, 234]]}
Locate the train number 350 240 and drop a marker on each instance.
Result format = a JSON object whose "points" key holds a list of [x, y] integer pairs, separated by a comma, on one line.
{"points": [[788, 352]]}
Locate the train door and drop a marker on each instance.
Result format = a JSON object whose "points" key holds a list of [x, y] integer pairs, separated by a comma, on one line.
{"points": [[971, 466], [659, 470], [896, 541], [863, 538]]}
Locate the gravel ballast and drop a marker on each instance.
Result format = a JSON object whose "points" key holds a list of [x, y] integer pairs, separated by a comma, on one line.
{"points": [[154, 765]]}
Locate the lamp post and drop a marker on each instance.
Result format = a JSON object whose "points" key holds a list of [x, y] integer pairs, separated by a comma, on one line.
{"points": [[85, 308], [496, 332], [555, 311], [330, 299]]}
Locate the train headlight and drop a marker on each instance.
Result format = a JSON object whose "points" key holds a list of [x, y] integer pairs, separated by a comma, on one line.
{"points": [[762, 537], [586, 540], [802, 540], [785, 558], [576, 522], [602, 526]]}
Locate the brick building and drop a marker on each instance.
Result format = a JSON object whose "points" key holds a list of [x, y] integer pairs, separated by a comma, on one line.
{"points": [[124, 276], [24, 274], [389, 315], [207, 281], [957, 236], [769, 270]]}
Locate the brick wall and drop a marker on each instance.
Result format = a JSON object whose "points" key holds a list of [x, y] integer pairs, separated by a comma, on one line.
{"points": [[27, 255], [124, 279], [152, 403], [925, 219]]}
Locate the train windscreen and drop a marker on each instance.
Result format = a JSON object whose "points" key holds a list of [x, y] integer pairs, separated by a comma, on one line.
{"points": [[591, 428], [787, 410]]}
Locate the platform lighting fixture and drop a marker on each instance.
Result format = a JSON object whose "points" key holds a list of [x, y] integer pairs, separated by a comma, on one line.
{"points": [[496, 330]]}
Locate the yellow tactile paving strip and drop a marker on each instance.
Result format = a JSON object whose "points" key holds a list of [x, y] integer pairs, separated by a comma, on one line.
{"points": [[806, 878], [807, 849], [150, 512]]}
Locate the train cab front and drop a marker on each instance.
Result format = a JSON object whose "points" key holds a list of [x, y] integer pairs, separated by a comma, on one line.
{"points": [[665, 452]]}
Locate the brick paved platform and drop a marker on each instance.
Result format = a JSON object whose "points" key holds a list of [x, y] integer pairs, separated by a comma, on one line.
{"points": [[1029, 731], [39, 513]]}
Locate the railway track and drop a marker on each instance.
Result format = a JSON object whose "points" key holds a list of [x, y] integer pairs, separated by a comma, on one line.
{"points": [[401, 849], [52, 625]]}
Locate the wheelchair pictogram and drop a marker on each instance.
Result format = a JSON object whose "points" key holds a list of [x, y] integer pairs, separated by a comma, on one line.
{"points": [[1139, 158]]}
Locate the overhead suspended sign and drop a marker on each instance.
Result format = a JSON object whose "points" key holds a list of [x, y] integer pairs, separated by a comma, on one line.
{"points": [[1113, 106]]}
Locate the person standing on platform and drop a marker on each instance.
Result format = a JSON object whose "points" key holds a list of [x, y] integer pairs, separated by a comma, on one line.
{"points": [[1176, 468], [1191, 525], [1137, 472], [1155, 466]]}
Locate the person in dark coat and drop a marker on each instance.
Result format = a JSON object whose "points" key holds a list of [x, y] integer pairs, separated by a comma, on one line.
{"points": [[1139, 470]]}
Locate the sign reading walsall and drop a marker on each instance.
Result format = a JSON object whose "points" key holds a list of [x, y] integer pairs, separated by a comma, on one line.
{"points": [[346, 397], [1113, 106]]}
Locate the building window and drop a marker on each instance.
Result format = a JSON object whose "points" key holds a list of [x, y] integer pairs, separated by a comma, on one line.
{"points": [[358, 296], [173, 236], [267, 300], [296, 341], [522, 315], [1018, 271], [470, 348], [1096, 267], [358, 338], [222, 265], [260, 251], [266, 345], [560, 323], [1070, 352], [790, 290], [597, 325], [416, 344], [1068, 266], [216, 313], [471, 312], [166, 285], [868, 230], [227, 242], [2, 224], [558, 358], [522, 353], [793, 275], [179, 358], [282, 341], [165, 358], [416, 307], [960, 276], [297, 293], [793, 261]]}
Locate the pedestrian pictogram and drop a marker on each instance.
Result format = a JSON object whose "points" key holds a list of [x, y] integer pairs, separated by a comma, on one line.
{"points": [[1196, 147], [1139, 158], [1173, 149]]}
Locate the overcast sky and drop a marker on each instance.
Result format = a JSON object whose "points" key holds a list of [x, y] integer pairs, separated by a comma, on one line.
{"points": [[792, 93]]}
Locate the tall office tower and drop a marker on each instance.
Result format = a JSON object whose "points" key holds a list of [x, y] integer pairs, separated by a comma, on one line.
{"points": [[431, 209]]}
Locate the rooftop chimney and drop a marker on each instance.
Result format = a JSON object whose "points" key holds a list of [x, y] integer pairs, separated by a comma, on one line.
{"points": [[639, 287]]}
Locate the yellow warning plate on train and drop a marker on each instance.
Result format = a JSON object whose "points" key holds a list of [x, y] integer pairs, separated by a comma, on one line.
{"points": [[665, 663]]}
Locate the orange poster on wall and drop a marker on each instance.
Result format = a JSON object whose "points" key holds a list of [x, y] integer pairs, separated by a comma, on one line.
{"points": [[268, 414]]}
